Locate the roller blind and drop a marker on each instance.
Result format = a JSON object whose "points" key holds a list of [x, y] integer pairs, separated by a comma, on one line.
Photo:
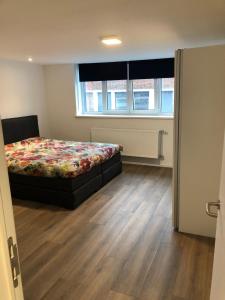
{"points": [[103, 71], [139, 69], [153, 68]]}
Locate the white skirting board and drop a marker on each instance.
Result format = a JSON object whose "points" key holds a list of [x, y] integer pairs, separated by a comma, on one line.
{"points": [[151, 162]]}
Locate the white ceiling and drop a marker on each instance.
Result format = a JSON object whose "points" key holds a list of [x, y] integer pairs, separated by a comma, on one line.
{"points": [[60, 31]]}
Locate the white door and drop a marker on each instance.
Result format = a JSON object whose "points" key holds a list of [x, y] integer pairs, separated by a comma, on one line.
{"points": [[218, 280], [10, 280]]}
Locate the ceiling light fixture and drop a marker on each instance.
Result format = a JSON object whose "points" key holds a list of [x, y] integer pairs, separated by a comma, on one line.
{"points": [[30, 59], [111, 40]]}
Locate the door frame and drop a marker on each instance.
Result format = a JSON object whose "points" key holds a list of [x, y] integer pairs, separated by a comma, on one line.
{"points": [[7, 229], [176, 140]]}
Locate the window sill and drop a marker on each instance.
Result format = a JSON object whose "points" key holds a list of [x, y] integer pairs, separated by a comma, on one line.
{"points": [[126, 117]]}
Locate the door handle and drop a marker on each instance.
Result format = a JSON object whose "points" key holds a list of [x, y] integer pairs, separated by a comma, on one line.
{"points": [[209, 205]]}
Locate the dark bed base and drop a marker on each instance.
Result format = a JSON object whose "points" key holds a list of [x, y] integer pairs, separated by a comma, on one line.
{"points": [[68, 193]]}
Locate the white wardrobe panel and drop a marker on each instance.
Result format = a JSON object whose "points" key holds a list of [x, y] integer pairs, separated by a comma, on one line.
{"points": [[202, 123]]}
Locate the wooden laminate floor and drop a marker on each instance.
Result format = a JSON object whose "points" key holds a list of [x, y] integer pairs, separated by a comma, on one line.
{"points": [[118, 245]]}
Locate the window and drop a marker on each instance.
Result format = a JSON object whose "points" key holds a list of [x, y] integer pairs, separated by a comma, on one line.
{"points": [[147, 97], [91, 93], [117, 95], [141, 100], [105, 89], [144, 94], [167, 95]]}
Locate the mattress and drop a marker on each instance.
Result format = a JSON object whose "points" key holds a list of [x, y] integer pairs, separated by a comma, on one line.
{"points": [[50, 158], [69, 184]]}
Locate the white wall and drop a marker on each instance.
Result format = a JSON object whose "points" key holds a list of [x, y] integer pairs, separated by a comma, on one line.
{"points": [[60, 96], [22, 92]]}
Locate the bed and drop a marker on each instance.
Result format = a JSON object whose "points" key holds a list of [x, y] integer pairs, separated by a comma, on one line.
{"points": [[63, 173]]}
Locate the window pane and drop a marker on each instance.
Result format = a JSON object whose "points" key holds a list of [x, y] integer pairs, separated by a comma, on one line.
{"points": [[143, 94], [117, 95], [92, 96], [141, 100], [167, 95], [100, 105], [109, 100], [121, 100]]}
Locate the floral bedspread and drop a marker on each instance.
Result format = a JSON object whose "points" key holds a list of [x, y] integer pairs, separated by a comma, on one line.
{"points": [[56, 158]]}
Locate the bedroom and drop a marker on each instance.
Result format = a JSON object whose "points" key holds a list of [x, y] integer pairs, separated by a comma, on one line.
{"points": [[120, 242]]}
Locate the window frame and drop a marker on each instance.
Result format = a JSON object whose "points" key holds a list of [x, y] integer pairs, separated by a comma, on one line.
{"points": [[80, 86]]}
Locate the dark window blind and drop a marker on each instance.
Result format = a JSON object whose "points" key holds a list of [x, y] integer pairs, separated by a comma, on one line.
{"points": [[150, 69], [103, 71], [139, 69]]}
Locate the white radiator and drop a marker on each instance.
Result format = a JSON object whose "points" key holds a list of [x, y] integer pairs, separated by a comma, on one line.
{"points": [[135, 142]]}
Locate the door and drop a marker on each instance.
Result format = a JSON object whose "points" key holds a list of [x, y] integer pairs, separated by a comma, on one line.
{"points": [[10, 278], [201, 121], [218, 280]]}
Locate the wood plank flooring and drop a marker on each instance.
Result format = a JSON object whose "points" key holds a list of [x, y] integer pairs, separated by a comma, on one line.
{"points": [[118, 245]]}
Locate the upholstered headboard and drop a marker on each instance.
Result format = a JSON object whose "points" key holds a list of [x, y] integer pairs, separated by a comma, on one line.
{"points": [[17, 129]]}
